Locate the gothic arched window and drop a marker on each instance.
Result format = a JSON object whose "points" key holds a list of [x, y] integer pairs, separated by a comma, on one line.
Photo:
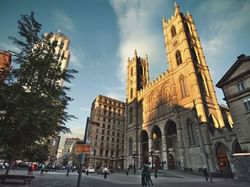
{"points": [[204, 86], [130, 146], [173, 31], [131, 93], [130, 115], [178, 57], [131, 72], [192, 135], [183, 85]]}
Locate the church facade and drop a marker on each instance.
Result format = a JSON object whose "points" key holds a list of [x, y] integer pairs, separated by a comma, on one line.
{"points": [[175, 121]]}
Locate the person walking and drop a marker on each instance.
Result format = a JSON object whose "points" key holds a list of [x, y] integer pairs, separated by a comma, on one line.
{"points": [[148, 180], [205, 173], [144, 175], [68, 168], [105, 172], [42, 168], [156, 172]]}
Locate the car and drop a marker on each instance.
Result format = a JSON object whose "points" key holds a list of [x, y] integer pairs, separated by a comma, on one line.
{"points": [[90, 170]]}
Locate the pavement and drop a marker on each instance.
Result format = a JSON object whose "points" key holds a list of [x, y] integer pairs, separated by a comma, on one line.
{"points": [[164, 179]]}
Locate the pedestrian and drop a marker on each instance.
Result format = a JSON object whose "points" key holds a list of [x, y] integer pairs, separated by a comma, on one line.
{"points": [[127, 171], [155, 172], [144, 175], [30, 170], [205, 173], [68, 169], [148, 180], [105, 172], [42, 168], [87, 172]]}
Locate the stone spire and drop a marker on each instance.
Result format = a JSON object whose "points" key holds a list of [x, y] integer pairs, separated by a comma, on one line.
{"points": [[176, 9]]}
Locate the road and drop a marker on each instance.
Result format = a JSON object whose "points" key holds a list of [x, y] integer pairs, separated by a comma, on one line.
{"points": [[166, 179]]}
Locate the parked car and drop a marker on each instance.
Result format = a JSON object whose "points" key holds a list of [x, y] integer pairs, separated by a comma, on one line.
{"points": [[90, 170]]}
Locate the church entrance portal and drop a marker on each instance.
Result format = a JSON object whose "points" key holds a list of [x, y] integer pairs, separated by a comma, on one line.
{"points": [[171, 139], [222, 160]]}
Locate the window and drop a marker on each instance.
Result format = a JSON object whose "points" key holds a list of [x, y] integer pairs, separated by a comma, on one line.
{"points": [[241, 86], [191, 133], [103, 125], [107, 138], [94, 152], [130, 115], [173, 31], [103, 131], [102, 137], [130, 146], [96, 137], [178, 57], [247, 104], [131, 73], [107, 153], [96, 130], [183, 85], [131, 93]]}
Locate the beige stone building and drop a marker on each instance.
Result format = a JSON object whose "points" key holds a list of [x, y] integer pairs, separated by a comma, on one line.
{"points": [[236, 88], [106, 133], [61, 43], [5, 62], [175, 122]]}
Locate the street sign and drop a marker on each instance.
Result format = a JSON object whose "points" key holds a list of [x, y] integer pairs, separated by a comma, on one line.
{"points": [[82, 148]]}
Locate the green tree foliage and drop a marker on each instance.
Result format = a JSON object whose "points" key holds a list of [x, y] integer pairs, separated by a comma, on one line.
{"points": [[38, 152], [33, 103]]}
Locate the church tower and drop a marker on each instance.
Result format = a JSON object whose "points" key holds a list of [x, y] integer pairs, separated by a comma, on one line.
{"points": [[138, 76], [187, 65]]}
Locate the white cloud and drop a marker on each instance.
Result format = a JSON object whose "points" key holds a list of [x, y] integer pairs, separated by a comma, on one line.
{"points": [[76, 57], [75, 133], [116, 93], [63, 22], [135, 22], [224, 30]]}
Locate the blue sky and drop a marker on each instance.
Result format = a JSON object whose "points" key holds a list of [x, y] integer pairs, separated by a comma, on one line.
{"points": [[104, 33]]}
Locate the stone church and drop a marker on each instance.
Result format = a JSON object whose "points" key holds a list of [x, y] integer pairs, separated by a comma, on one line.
{"points": [[175, 121]]}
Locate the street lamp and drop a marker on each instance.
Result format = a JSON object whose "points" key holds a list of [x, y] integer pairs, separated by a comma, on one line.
{"points": [[151, 153], [134, 157], [112, 159], [122, 158]]}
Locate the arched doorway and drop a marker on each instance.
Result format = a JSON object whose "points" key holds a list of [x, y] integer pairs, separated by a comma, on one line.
{"points": [[144, 147], [171, 139], [156, 137], [171, 162], [222, 159]]}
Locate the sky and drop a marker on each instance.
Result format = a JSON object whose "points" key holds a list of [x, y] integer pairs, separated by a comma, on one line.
{"points": [[104, 33]]}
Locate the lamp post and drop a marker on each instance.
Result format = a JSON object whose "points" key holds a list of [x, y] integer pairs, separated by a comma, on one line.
{"points": [[134, 157], [151, 153], [112, 159], [122, 158]]}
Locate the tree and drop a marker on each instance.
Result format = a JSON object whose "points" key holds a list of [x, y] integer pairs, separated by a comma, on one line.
{"points": [[32, 101], [36, 152]]}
